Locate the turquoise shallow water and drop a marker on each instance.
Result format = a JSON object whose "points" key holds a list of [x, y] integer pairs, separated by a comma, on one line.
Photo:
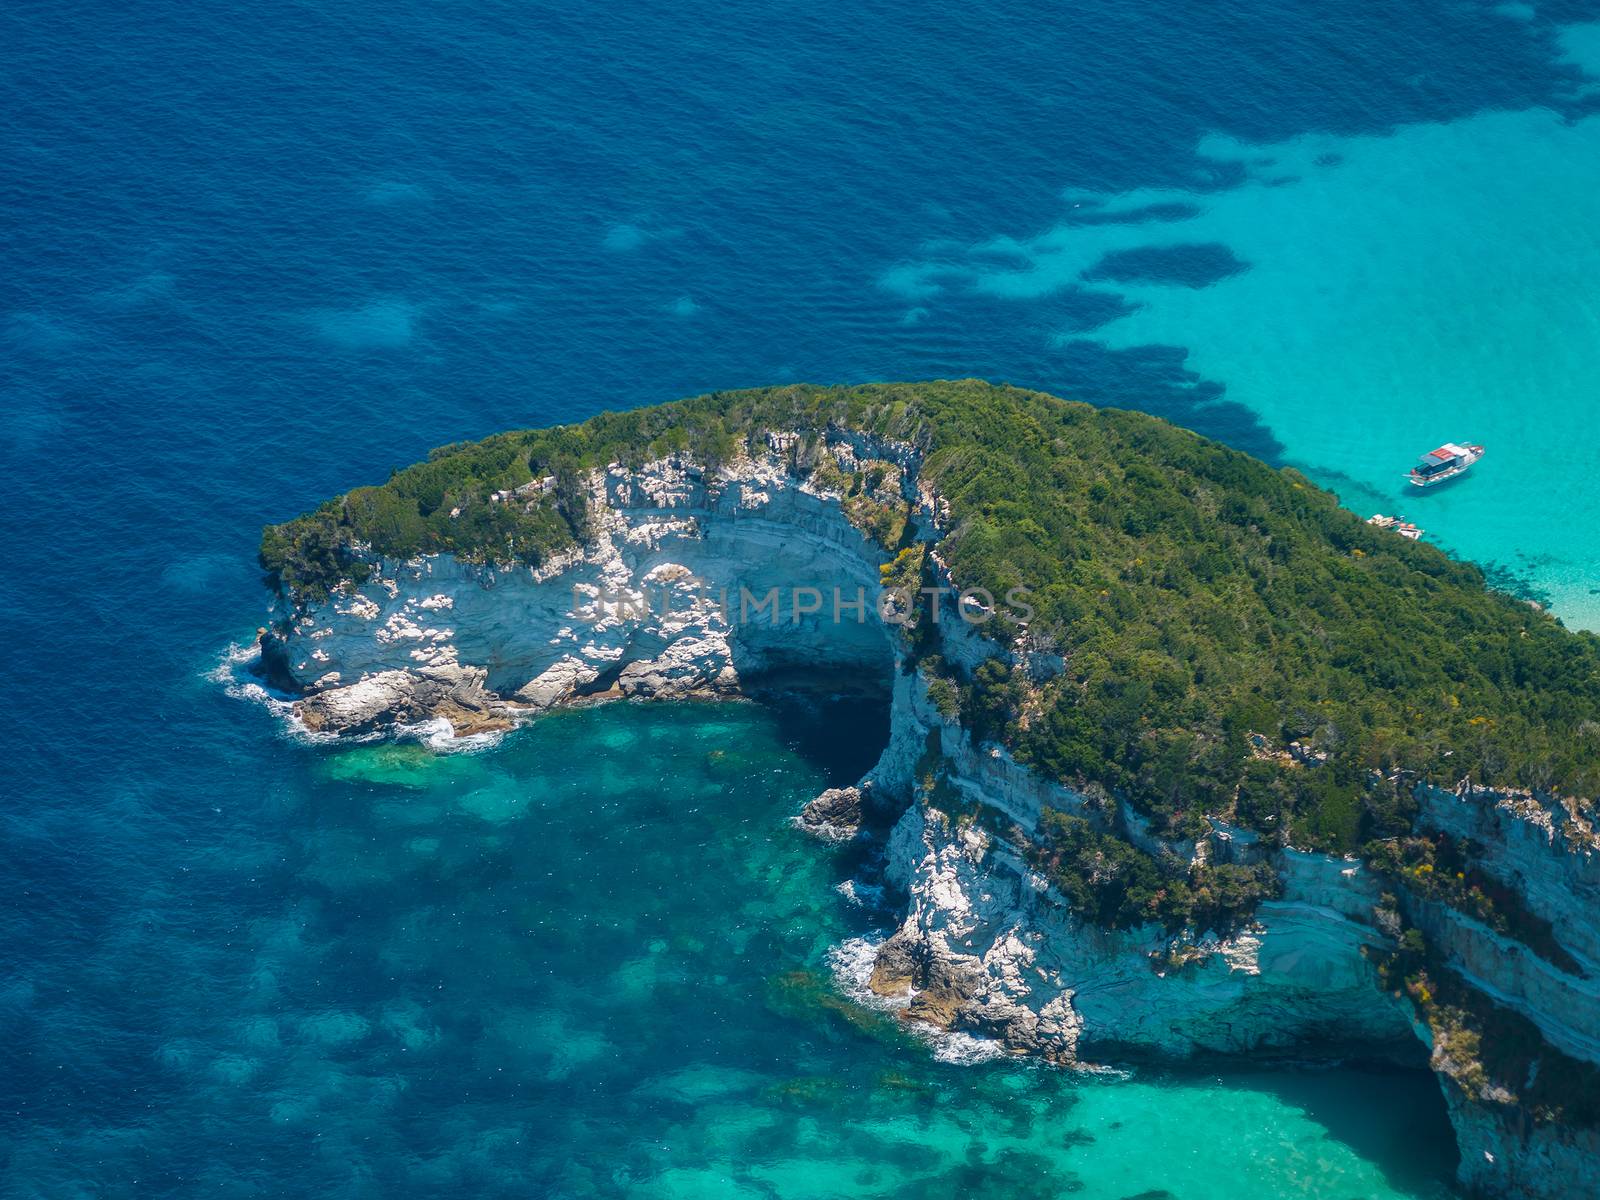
{"points": [[1370, 298], [598, 961]]}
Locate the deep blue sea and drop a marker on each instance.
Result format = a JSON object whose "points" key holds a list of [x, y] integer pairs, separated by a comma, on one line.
{"points": [[251, 255]]}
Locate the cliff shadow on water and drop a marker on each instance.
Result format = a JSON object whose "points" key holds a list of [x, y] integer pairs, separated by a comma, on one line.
{"points": [[840, 726], [1382, 1102], [1414, 1148]]}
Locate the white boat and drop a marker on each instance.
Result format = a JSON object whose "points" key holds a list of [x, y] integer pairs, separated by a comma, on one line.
{"points": [[1448, 461], [1404, 528]]}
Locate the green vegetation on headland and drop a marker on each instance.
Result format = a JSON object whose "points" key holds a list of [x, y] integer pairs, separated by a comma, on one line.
{"points": [[1236, 645], [1118, 886]]}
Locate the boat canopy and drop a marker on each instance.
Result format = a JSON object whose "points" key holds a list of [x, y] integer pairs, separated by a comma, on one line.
{"points": [[1438, 460]]}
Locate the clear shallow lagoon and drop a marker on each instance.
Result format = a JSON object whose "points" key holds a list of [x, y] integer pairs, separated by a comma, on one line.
{"points": [[1368, 298], [254, 256], [596, 961]]}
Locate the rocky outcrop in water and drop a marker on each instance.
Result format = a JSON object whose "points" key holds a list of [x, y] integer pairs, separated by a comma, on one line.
{"points": [[987, 946], [443, 692], [834, 816]]}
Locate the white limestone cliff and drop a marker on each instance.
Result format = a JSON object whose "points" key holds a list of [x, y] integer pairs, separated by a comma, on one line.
{"points": [[690, 586], [988, 946]]}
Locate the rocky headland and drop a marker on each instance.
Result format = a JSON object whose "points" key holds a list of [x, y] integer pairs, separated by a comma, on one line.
{"points": [[1490, 977]]}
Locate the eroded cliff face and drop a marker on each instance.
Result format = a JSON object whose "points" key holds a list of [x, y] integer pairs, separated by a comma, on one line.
{"points": [[656, 607], [987, 946], [693, 585], [1546, 852], [1505, 1153]]}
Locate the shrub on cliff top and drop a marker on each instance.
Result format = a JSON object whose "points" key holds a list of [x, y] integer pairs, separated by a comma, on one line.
{"points": [[1116, 885]]}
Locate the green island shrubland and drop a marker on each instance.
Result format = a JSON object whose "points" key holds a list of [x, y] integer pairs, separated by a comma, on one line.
{"points": [[1236, 644]]}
